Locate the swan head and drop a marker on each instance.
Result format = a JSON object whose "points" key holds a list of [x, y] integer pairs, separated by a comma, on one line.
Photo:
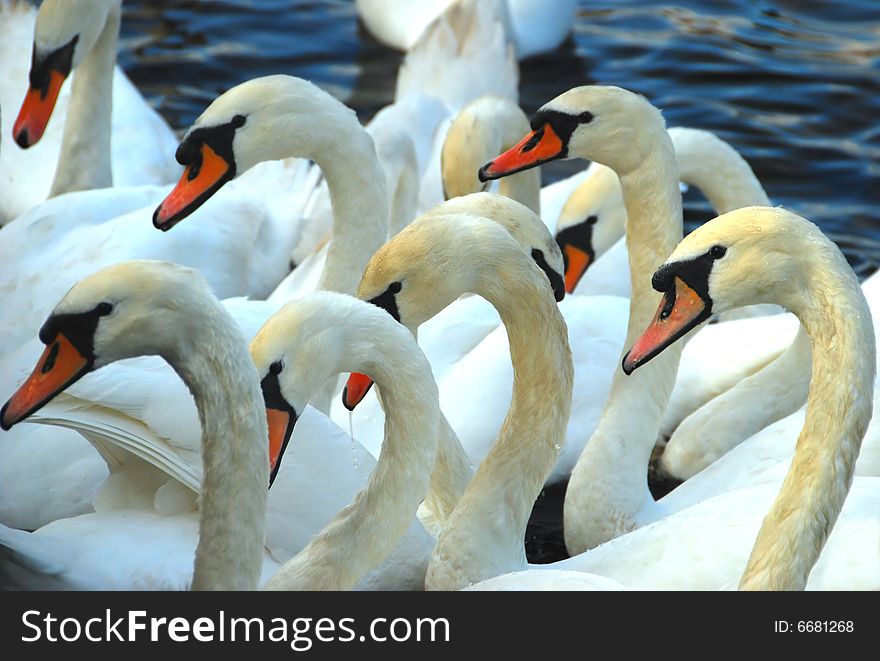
{"points": [[308, 341], [751, 255], [253, 122], [64, 33], [476, 133], [592, 220], [609, 125], [125, 310], [523, 224], [429, 264]]}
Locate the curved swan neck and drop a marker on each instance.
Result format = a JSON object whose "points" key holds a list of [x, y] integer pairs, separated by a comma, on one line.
{"points": [[452, 473], [836, 316], [717, 169], [213, 361], [84, 160], [359, 200], [485, 534], [365, 531], [609, 485]]}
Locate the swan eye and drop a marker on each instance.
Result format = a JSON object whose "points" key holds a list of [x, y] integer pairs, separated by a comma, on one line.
{"points": [[585, 117], [104, 308], [592, 220], [395, 287], [717, 252], [276, 367], [238, 121]]}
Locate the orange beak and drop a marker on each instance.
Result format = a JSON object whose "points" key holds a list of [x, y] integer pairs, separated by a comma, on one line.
{"points": [[681, 309], [356, 389], [537, 147], [59, 366], [281, 425], [36, 109], [577, 262], [200, 180]]}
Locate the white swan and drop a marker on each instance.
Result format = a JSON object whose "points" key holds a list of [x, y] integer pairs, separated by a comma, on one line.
{"points": [[475, 254], [158, 308], [531, 26], [462, 325], [100, 102], [713, 544], [296, 513], [625, 132], [335, 333], [774, 256]]}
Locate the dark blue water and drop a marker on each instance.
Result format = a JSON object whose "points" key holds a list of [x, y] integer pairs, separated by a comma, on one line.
{"points": [[795, 86]]}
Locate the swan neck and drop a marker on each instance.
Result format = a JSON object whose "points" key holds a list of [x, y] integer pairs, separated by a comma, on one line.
{"points": [[837, 318], [359, 200], [719, 171], [611, 473], [216, 367], [84, 160], [366, 531], [524, 187], [495, 508], [452, 473]]}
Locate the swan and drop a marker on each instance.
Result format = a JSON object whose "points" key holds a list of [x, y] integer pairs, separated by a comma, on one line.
{"points": [[345, 334], [716, 543], [477, 255], [774, 256], [84, 542], [530, 26], [139, 308], [64, 37], [621, 130]]}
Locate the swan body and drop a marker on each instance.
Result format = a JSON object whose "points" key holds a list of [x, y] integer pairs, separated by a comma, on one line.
{"points": [[233, 242], [142, 145]]}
